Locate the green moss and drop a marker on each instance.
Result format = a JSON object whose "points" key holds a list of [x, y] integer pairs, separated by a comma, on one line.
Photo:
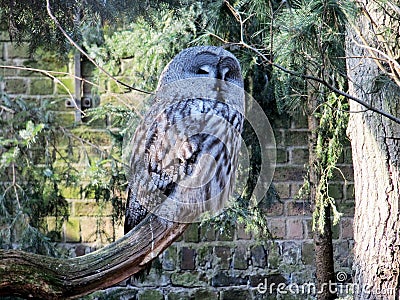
{"points": [[226, 235], [57, 104], [71, 192], [192, 233], [115, 87], [4, 36], [65, 118], [68, 83], [72, 230], [96, 137], [170, 256], [31, 278], [16, 86], [92, 208], [42, 86], [273, 256], [151, 295], [18, 51], [44, 60], [179, 296], [204, 295], [117, 293], [186, 279]]}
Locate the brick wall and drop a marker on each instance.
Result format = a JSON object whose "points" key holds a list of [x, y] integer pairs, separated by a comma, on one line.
{"points": [[90, 224], [203, 263]]}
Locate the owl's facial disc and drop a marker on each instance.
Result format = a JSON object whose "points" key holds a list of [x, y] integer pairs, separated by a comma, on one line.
{"points": [[203, 61]]}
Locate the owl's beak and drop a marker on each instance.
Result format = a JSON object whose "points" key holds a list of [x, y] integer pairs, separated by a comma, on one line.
{"points": [[225, 67], [221, 72]]}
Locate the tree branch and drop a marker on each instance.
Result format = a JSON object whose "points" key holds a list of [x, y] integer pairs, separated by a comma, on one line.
{"points": [[31, 275], [291, 72], [325, 83], [51, 76], [73, 43]]}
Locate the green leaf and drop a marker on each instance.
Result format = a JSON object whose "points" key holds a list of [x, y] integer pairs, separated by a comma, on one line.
{"points": [[30, 133]]}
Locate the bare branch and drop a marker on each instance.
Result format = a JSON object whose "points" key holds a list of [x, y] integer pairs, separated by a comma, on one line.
{"points": [[73, 43], [322, 81], [55, 79], [307, 77], [372, 50], [238, 18], [119, 97]]}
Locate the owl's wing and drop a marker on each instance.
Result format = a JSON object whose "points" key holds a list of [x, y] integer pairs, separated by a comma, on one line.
{"points": [[165, 159], [177, 155]]}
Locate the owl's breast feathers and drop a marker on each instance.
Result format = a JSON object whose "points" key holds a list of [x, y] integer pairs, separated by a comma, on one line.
{"points": [[188, 154]]}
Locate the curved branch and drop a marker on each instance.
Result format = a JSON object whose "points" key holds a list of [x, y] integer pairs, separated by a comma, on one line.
{"points": [[52, 77], [31, 275]]}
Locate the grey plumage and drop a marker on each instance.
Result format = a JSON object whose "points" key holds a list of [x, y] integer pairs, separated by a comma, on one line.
{"points": [[184, 153]]}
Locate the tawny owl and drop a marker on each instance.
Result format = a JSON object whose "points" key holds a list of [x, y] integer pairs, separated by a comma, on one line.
{"points": [[183, 155]]}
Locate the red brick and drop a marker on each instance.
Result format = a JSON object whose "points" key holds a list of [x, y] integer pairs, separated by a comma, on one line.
{"points": [[296, 138], [300, 122], [294, 189], [298, 208], [277, 227], [273, 209], [299, 156], [349, 191], [294, 229], [347, 228], [289, 174], [283, 189], [308, 229], [187, 258], [346, 171], [281, 156]]}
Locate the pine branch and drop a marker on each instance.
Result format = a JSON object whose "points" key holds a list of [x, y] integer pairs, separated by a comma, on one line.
{"points": [[324, 82], [267, 60]]}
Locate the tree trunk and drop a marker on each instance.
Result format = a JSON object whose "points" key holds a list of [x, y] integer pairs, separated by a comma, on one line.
{"points": [[31, 275], [375, 147]]}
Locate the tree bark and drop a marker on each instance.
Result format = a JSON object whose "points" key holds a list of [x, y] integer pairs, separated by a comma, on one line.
{"points": [[35, 276], [375, 148]]}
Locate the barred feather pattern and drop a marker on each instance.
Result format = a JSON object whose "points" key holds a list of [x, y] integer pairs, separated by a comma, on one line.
{"points": [[184, 155]]}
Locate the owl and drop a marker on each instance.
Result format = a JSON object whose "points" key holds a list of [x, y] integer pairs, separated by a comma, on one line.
{"points": [[183, 156]]}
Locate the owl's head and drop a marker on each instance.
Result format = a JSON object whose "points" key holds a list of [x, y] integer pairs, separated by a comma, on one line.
{"points": [[203, 61]]}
